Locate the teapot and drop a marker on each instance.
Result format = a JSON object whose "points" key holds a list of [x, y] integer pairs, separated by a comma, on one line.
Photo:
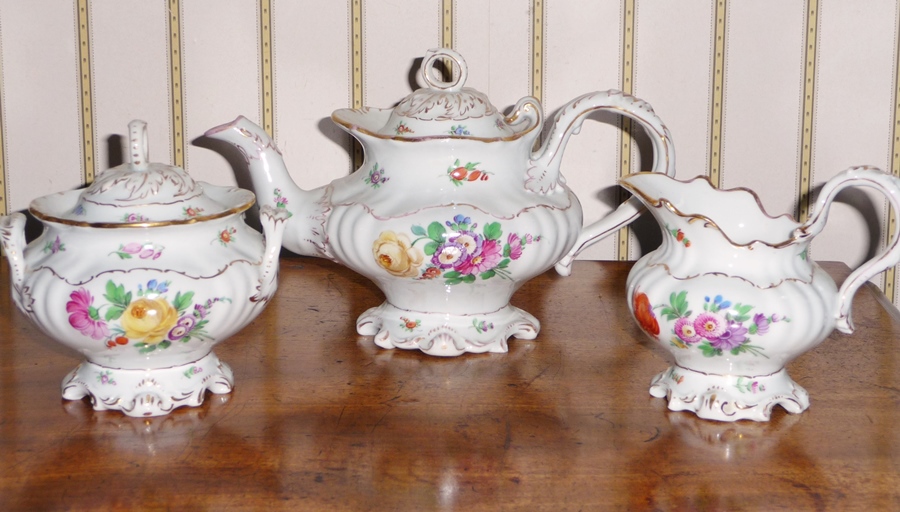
{"points": [[143, 273], [452, 209], [733, 294]]}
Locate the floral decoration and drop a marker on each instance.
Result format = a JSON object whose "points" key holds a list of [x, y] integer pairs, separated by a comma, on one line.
{"points": [[54, 246], [482, 326], [679, 235], [281, 201], [459, 130], [454, 250], [143, 251], [226, 236], [191, 211], [146, 317], [459, 174], [746, 385], [402, 129], [133, 217], [721, 327], [376, 177], [193, 370], [105, 377], [409, 324]]}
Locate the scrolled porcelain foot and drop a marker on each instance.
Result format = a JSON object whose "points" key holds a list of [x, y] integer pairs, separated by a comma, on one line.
{"points": [[441, 334], [154, 392], [729, 397]]}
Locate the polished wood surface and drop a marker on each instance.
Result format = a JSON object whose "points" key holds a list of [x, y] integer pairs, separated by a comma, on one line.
{"points": [[322, 419]]}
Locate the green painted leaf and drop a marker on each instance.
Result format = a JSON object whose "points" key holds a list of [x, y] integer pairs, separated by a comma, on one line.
{"points": [[165, 344], [492, 231], [469, 278], [436, 232], [452, 274], [182, 301], [452, 281], [419, 231], [430, 248], [114, 312], [489, 274]]}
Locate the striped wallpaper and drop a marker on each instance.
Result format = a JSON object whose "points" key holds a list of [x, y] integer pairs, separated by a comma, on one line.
{"points": [[755, 93]]}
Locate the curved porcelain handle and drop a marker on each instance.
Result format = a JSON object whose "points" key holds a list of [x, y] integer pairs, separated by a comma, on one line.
{"points": [[864, 176], [427, 77], [12, 236], [273, 221], [543, 173]]}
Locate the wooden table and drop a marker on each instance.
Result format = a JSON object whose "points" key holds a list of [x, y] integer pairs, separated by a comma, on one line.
{"points": [[322, 419]]}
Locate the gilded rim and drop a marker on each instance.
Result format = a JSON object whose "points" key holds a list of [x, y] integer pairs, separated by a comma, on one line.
{"points": [[113, 225]]}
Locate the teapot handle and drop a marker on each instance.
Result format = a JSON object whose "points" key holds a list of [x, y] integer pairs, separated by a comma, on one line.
{"points": [[543, 172], [863, 176]]}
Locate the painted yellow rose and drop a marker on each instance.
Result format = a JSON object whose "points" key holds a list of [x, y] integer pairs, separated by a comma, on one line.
{"points": [[149, 320], [395, 253]]}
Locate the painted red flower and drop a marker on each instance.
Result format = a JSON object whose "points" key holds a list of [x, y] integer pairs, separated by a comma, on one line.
{"points": [[643, 313]]}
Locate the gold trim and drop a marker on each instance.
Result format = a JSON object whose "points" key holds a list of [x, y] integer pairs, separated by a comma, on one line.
{"points": [[176, 82], [85, 92], [268, 89], [718, 94], [810, 42], [356, 71], [890, 275], [623, 237], [115, 225]]}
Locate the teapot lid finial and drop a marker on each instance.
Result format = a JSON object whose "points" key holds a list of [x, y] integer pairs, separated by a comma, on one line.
{"points": [[139, 152], [428, 73]]}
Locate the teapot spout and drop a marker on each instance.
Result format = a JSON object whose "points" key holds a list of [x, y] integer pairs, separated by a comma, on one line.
{"points": [[306, 211]]}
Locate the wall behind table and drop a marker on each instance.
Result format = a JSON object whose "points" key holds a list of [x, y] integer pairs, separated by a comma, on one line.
{"points": [[772, 95]]}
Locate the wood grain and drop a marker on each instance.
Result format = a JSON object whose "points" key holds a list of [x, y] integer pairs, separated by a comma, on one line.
{"points": [[322, 419]]}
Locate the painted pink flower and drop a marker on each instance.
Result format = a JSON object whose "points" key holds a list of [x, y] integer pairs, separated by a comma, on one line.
{"points": [[685, 330], [762, 324], [84, 317], [709, 326], [515, 246], [489, 257]]}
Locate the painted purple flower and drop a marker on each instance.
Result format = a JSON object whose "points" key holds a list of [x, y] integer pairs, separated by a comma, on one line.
{"points": [[84, 317], [200, 311], [187, 322], [762, 324], [734, 336], [178, 332], [709, 326], [685, 330], [777, 318], [471, 242], [515, 246], [448, 255]]}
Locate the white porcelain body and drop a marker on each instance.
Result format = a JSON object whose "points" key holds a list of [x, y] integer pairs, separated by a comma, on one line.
{"points": [[733, 295], [448, 214], [144, 305]]}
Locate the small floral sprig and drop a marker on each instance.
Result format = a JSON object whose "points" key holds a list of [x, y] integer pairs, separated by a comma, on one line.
{"points": [[402, 129], [679, 235], [191, 211], [459, 130], [459, 174], [193, 370], [409, 324], [54, 246], [482, 326], [226, 236], [134, 217], [143, 251], [376, 177], [106, 378]]}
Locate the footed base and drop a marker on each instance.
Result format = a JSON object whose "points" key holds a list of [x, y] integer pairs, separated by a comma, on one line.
{"points": [[729, 397], [442, 334], [152, 392]]}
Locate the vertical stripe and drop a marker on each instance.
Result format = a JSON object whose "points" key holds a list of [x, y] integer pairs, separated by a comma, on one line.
{"points": [[447, 24], [718, 94], [265, 45], [177, 97], [85, 92], [537, 49], [4, 209], [891, 275], [447, 35], [625, 138], [356, 70], [804, 188]]}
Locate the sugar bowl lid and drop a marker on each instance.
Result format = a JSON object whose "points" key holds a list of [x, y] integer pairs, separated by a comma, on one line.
{"points": [[438, 109], [142, 193]]}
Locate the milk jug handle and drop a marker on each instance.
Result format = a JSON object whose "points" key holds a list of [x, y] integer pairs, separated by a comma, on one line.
{"points": [[863, 176], [543, 173]]}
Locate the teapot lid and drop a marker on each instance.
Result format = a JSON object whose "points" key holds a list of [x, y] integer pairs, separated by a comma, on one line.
{"points": [[140, 193], [438, 109]]}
